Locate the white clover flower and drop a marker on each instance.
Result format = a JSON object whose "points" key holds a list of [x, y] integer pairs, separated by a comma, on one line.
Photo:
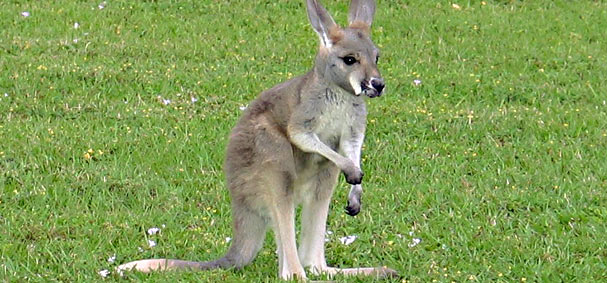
{"points": [[228, 239], [348, 239], [76, 25], [414, 242], [193, 99], [417, 82], [151, 243], [243, 108], [153, 230], [112, 259], [104, 273], [25, 14]]}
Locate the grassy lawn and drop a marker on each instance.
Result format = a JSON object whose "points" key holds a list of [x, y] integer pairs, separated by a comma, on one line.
{"points": [[491, 166]]}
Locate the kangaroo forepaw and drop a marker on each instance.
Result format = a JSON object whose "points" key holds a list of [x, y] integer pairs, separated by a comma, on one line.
{"points": [[354, 177], [353, 208]]}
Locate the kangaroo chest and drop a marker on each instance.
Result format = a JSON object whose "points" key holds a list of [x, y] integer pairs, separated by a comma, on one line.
{"points": [[339, 113]]}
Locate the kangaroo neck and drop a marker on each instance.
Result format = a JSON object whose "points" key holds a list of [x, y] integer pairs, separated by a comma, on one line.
{"points": [[320, 64]]}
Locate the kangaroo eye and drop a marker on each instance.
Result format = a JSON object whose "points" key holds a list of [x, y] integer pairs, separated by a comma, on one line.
{"points": [[376, 59], [349, 60]]}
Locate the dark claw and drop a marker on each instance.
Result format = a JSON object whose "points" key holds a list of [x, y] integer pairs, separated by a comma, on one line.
{"points": [[354, 180], [352, 209]]}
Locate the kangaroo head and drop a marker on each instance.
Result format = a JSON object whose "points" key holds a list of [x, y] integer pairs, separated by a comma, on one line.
{"points": [[347, 56]]}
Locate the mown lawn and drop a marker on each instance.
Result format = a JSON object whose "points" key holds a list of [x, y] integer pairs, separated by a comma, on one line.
{"points": [[484, 161]]}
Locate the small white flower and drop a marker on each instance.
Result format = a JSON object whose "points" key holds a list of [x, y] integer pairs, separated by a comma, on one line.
{"points": [[76, 25], [327, 234], [104, 273], [75, 40], [153, 231], [140, 249], [5, 94], [414, 242], [112, 259], [348, 239], [228, 239], [102, 5], [243, 108], [417, 82], [194, 99], [25, 14], [151, 243], [166, 101]]}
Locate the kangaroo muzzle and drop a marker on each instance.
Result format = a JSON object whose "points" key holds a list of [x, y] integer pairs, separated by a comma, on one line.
{"points": [[373, 87]]}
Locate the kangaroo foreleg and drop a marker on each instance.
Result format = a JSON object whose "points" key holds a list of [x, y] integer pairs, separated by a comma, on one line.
{"points": [[351, 146], [309, 142]]}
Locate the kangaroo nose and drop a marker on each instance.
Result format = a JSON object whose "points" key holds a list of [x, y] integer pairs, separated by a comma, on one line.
{"points": [[378, 84]]}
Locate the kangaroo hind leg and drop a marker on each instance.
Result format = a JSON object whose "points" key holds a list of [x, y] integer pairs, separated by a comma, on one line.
{"points": [[315, 208], [282, 212], [313, 227]]}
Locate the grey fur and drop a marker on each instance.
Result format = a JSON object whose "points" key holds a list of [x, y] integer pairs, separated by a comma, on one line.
{"points": [[288, 149]]}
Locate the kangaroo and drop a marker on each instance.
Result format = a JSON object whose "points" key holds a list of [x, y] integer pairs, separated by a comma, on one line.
{"points": [[289, 147]]}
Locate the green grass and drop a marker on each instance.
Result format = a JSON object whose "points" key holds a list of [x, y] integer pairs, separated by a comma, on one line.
{"points": [[496, 161]]}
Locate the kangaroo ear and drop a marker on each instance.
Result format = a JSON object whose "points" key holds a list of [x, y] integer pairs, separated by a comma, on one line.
{"points": [[361, 11], [321, 22]]}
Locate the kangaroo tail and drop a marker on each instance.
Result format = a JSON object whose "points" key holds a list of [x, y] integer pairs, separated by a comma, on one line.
{"points": [[249, 233], [241, 252], [149, 265]]}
